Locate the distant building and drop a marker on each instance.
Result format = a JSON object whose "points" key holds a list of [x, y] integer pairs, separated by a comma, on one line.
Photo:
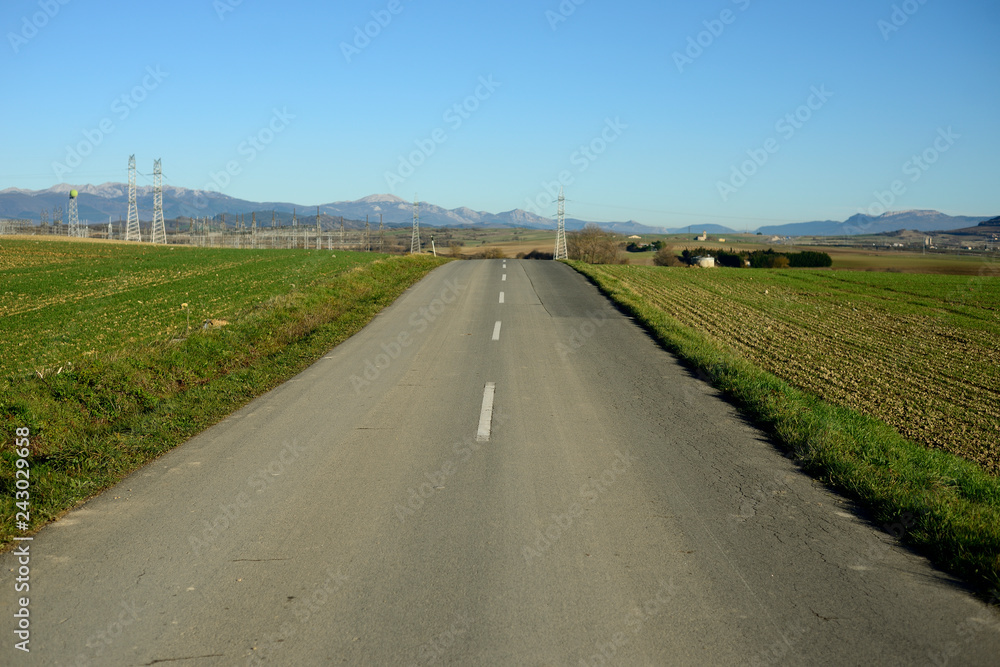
{"points": [[635, 238], [722, 240], [703, 237]]}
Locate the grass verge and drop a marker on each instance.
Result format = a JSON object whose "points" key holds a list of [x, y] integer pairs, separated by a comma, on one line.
{"points": [[944, 506], [113, 413]]}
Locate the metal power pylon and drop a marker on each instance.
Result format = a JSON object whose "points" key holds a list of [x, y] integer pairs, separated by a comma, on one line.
{"points": [[74, 219], [415, 237], [132, 223], [561, 251], [159, 229]]}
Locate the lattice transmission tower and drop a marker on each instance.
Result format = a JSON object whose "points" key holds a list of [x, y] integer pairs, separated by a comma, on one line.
{"points": [[561, 251], [415, 237], [159, 229], [74, 218], [132, 223]]}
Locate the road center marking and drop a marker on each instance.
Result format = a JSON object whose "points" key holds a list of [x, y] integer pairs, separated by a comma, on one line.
{"points": [[504, 277], [486, 414], [501, 297], [496, 331]]}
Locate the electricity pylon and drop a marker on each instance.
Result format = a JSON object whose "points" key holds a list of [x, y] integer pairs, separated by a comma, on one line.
{"points": [[74, 219], [415, 237], [132, 223], [159, 230], [561, 251]]}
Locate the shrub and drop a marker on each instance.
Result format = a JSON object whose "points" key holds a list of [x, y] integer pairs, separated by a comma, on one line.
{"points": [[809, 258], [666, 257], [767, 259], [491, 253], [733, 260]]}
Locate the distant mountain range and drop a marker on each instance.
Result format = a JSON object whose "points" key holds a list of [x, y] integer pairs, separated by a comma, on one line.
{"points": [[921, 221], [96, 203]]}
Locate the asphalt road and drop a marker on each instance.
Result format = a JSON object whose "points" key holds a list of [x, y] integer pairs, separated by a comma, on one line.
{"points": [[501, 469]]}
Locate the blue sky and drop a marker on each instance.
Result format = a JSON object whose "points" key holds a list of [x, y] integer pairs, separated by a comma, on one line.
{"points": [[738, 112]]}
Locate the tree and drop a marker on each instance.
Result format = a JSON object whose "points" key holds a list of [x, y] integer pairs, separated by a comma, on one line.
{"points": [[594, 245], [666, 256]]}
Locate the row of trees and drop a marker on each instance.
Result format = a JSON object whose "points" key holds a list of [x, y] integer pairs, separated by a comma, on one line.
{"points": [[757, 259], [596, 246]]}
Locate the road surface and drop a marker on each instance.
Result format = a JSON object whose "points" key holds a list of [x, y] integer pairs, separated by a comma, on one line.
{"points": [[501, 469]]}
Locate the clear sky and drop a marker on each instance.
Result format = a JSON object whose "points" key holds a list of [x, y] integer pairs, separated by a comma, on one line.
{"points": [[739, 112]]}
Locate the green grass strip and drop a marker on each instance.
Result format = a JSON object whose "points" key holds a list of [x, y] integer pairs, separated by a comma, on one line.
{"points": [[113, 413], [944, 506]]}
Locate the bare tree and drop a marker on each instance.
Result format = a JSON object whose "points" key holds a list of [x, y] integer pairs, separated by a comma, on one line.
{"points": [[594, 245]]}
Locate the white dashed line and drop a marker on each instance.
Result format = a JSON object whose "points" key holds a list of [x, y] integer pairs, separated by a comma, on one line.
{"points": [[501, 297], [504, 277], [486, 414], [496, 331]]}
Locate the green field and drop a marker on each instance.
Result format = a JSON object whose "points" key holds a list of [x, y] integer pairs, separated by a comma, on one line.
{"points": [[101, 367], [64, 301], [918, 352]]}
